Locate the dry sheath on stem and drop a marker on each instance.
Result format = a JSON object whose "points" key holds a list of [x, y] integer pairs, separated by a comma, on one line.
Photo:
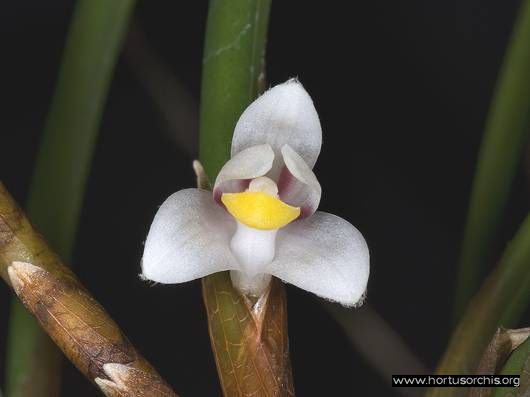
{"points": [[503, 343], [67, 312]]}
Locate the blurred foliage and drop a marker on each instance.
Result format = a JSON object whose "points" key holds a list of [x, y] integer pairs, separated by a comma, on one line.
{"points": [[500, 302], [505, 295], [502, 146]]}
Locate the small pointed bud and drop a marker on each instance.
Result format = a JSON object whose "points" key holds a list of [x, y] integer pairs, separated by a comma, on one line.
{"points": [[203, 182], [21, 274], [119, 373], [109, 388], [127, 381]]}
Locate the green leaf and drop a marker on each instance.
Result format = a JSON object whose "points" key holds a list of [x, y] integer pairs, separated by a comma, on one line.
{"points": [[518, 364], [500, 302], [96, 33], [504, 140]]}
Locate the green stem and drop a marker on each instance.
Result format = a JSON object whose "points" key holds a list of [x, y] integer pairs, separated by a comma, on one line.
{"points": [[504, 140], [62, 167], [233, 66], [500, 302]]}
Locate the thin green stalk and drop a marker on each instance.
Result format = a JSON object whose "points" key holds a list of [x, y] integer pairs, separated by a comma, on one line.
{"points": [[232, 71], [500, 302], [233, 65], [96, 33], [504, 140]]}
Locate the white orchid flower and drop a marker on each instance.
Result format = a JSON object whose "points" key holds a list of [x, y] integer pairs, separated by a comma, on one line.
{"points": [[261, 220]]}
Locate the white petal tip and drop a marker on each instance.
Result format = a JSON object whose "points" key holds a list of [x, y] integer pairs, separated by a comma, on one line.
{"points": [[154, 273], [293, 82], [349, 299], [289, 91], [354, 301]]}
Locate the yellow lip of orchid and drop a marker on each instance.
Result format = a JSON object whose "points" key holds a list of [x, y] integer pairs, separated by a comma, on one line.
{"points": [[259, 210]]}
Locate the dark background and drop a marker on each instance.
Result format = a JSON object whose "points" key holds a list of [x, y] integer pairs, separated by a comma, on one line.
{"points": [[402, 89]]}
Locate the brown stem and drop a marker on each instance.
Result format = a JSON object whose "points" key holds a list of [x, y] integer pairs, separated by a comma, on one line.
{"points": [[73, 319]]}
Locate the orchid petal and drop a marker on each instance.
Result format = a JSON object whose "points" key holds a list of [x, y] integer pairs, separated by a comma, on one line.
{"points": [[188, 239], [285, 114], [323, 254], [298, 185], [248, 164]]}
